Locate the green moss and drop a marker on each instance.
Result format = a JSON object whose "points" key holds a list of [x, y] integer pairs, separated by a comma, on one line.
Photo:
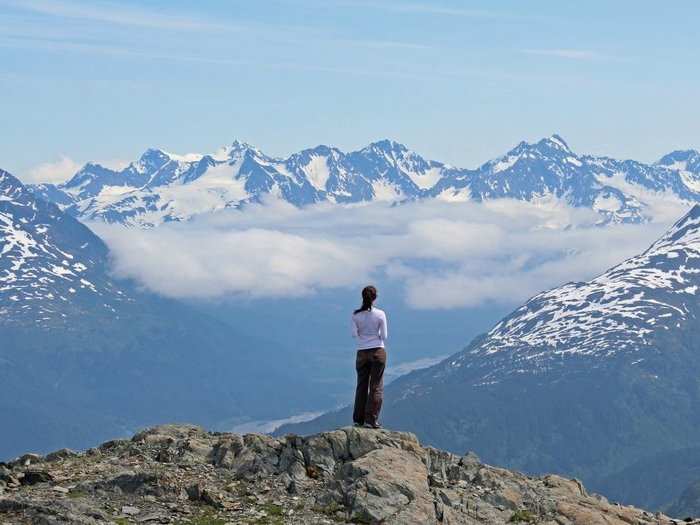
{"points": [[522, 515], [121, 521], [77, 493], [333, 509], [272, 509], [267, 520], [205, 518]]}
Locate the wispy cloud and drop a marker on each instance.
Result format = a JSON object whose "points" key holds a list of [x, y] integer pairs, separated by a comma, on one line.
{"points": [[569, 54], [382, 44], [111, 13], [22, 42], [421, 8]]}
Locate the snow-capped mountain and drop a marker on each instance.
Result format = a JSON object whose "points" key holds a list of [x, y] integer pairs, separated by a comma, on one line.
{"points": [[627, 310], [549, 168], [585, 379], [83, 354], [51, 266], [162, 186]]}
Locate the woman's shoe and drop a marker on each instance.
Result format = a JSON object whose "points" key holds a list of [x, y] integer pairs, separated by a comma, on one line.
{"points": [[356, 424], [372, 425]]}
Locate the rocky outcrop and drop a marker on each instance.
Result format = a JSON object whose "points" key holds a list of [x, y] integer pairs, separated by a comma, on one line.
{"points": [[183, 474]]}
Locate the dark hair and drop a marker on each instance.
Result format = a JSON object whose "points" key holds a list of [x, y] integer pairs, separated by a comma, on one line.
{"points": [[369, 295]]}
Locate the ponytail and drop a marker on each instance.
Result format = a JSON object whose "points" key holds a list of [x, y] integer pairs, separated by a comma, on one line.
{"points": [[369, 295]]}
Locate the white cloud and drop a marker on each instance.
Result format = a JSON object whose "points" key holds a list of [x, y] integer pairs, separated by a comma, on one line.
{"points": [[63, 169], [393, 372], [445, 255], [53, 172], [268, 426]]}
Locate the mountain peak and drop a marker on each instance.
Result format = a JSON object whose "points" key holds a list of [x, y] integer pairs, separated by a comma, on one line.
{"points": [[154, 158], [678, 158], [238, 145], [556, 141], [154, 153], [544, 146], [8, 183], [387, 146]]}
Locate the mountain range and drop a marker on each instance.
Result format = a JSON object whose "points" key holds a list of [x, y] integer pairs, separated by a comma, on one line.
{"points": [[162, 187], [595, 379]]}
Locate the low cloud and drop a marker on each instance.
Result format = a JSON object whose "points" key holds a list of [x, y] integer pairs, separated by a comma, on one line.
{"points": [[53, 172], [444, 255], [63, 169], [393, 372]]}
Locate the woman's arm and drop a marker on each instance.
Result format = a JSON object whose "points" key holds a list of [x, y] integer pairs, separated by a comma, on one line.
{"points": [[383, 329], [353, 327]]}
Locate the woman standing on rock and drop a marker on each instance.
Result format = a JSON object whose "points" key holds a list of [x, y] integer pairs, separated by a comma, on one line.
{"points": [[369, 327]]}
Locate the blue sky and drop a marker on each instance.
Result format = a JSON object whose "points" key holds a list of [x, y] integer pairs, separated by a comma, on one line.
{"points": [[456, 81]]}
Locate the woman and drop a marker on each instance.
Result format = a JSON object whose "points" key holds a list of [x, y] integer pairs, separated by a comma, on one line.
{"points": [[370, 329]]}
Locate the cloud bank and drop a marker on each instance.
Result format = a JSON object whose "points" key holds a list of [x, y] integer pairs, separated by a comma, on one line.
{"points": [[444, 255]]}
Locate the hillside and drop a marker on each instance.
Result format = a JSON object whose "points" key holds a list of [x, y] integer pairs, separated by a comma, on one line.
{"points": [[84, 356], [182, 474]]}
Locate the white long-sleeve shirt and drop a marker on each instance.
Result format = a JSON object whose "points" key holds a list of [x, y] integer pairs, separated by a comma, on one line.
{"points": [[369, 328]]}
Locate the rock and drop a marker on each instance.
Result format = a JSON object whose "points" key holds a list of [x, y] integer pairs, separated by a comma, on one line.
{"points": [[62, 454], [361, 475], [160, 517], [199, 493], [325, 450], [132, 483], [26, 460], [169, 434], [387, 486], [32, 477], [128, 510], [5, 473], [226, 450]]}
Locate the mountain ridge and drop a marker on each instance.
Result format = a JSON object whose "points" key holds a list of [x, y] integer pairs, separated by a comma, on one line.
{"points": [[162, 187]]}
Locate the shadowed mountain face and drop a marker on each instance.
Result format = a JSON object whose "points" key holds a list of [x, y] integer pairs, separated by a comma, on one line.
{"points": [[84, 357], [585, 379], [162, 187]]}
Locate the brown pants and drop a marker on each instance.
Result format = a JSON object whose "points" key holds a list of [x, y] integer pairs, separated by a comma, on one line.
{"points": [[370, 385]]}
